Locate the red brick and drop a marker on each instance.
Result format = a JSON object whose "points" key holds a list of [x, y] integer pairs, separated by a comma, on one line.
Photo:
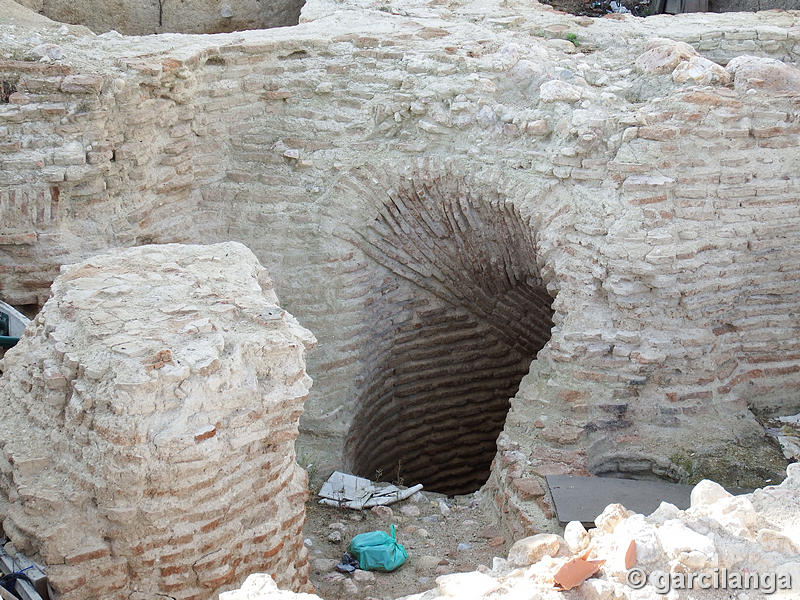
{"points": [[527, 489]]}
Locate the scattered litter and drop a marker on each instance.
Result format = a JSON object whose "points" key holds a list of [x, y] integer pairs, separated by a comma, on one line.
{"points": [[348, 564], [378, 551], [349, 491], [22, 578], [9, 582]]}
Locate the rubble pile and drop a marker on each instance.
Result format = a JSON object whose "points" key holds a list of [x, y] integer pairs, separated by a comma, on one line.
{"points": [[747, 545]]}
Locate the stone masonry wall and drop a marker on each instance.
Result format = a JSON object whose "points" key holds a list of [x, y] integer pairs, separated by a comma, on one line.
{"points": [[401, 171], [147, 426], [137, 17]]}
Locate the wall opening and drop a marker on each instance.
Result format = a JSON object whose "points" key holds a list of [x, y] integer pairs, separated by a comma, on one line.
{"points": [[458, 311], [137, 17]]}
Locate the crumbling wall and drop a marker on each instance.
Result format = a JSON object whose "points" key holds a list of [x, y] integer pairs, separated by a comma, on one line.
{"points": [[137, 17], [389, 168], [147, 426]]}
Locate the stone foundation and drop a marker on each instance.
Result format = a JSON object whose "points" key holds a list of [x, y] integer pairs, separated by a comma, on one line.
{"points": [[147, 426]]}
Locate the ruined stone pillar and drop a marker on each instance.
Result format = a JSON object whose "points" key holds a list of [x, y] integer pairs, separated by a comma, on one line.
{"points": [[147, 426]]}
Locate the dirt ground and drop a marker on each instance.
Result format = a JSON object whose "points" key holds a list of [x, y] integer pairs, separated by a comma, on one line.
{"points": [[442, 535]]}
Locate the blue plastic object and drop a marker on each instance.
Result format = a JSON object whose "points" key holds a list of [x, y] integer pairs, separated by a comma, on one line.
{"points": [[7, 341], [378, 551]]}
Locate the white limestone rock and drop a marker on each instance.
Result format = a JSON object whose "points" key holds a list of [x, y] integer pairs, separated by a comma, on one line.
{"points": [[363, 576], [576, 536], [768, 74], [686, 546], [777, 541], [48, 51], [426, 561], [611, 517], [700, 71], [707, 492], [466, 586], [531, 549], [261, 586], [792, 475], [635, 528], [663, 56], [559, 91], [664, 513], [565, 46], [597, 589]]}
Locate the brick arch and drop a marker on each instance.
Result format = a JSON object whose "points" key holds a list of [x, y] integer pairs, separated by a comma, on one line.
{"points": [[457, 311]]}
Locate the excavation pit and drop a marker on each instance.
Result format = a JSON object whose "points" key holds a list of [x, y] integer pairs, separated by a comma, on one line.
{"points": [[652, 188]]}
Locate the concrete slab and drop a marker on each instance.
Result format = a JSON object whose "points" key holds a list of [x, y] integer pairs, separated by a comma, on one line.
{"points": [[580, 498]]}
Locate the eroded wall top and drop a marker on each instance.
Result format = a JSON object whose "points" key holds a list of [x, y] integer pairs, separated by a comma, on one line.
{"points": [[147, 426]]}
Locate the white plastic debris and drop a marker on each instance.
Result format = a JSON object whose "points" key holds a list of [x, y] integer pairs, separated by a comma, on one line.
{"points": [[348, 491]]}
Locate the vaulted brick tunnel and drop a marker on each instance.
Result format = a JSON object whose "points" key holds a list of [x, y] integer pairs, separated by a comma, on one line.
{"points": [[459, 312]]}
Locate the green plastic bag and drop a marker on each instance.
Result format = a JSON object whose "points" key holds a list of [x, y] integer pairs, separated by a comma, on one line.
{"points": [[378, 551]]}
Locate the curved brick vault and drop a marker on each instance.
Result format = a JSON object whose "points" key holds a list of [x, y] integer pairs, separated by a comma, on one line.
{"points": [[458, 311], [650, 187]]}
